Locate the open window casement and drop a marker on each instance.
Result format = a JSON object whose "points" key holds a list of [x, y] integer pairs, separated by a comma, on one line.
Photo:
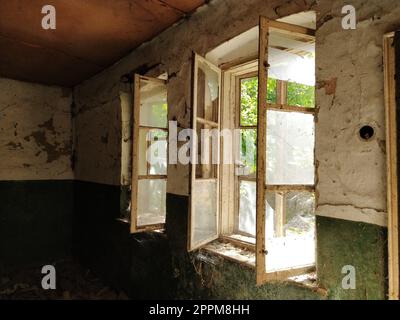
{"points": [[149, 158], [204, 195], [285, 235]]}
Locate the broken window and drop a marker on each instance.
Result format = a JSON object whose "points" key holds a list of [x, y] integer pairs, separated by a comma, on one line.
{"points": [[266, 202], [286, 176], [150, 145]]}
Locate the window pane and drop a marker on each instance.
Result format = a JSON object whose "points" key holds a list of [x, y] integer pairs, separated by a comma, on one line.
{"points": [[205, 211], [153, 104], [248, 99], [207, 152], [247, 207], [290, 148], [300, 95], [290, 230], [157, 152], [207, 92], [142, 159], [152, 152], [151, 202], [248, 153]]}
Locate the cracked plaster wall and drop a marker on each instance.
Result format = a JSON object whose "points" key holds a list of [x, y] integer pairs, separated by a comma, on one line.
{"points": [[352, 172], [35, 131], [350, 79], [98, 103]]}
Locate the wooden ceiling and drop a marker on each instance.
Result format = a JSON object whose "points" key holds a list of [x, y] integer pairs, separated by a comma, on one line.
{"points": [[90, 36]]}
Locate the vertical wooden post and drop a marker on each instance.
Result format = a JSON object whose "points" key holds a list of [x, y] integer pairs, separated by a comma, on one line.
{"points": [[391, 49], [261, 148], [135, 152]]}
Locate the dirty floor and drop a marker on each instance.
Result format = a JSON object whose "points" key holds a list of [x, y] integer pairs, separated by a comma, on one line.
{"points": [[74, 282]]}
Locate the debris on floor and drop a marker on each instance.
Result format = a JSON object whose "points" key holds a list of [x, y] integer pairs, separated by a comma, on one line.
{"points": [[73, 282]]}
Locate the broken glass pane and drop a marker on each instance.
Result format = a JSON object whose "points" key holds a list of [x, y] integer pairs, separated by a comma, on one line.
{"points": [[290, 230], [207, 92]]}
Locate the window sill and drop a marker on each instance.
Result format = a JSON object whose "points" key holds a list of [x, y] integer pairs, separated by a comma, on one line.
{"points": [[232, 252], [247, 258]]}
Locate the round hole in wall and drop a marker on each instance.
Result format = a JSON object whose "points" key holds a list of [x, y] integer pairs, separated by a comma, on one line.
{"points": [[367, 133]]}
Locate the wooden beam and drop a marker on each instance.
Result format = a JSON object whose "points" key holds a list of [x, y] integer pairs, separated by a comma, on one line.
{"points": [[135, 153], [392, 164], [261, 149]]}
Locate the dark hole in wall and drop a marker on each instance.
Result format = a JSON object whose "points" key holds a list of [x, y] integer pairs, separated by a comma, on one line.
{"points": [[367, 133]]}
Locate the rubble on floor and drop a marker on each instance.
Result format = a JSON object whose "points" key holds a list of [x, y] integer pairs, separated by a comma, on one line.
{"points": [[73, 282]]}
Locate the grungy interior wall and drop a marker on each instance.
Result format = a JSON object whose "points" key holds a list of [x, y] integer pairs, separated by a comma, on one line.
{"points": [[351, 228], [35, 171], [351, 173]]}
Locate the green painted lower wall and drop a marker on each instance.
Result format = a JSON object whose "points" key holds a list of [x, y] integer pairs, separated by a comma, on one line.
{"points": [[364, 246], [43, 220], [35, 221]]}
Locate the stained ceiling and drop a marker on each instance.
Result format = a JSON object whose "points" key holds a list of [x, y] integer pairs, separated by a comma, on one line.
{"points": [[90, 35]]}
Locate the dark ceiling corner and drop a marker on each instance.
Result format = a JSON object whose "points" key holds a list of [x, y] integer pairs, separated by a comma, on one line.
{"points": [[90, 36]]}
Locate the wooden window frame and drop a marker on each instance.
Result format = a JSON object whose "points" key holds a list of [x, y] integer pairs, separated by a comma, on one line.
{"points": [[242, 65], [135, 228], [391, 115], [239, 179], [262, 187], [281, 104], [191, 246]]}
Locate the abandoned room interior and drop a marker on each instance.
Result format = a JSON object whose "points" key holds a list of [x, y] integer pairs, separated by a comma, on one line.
{"points": [[191, 149]]}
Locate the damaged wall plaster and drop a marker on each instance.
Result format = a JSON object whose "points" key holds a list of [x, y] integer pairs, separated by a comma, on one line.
{"points": [[35, 131], [351, 172], [347, 96], [98, 102]]}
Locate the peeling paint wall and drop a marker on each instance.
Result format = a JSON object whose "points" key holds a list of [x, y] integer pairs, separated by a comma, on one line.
{"points": [[35, 131], [351, 172], [36, 187], [98, 101]]}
